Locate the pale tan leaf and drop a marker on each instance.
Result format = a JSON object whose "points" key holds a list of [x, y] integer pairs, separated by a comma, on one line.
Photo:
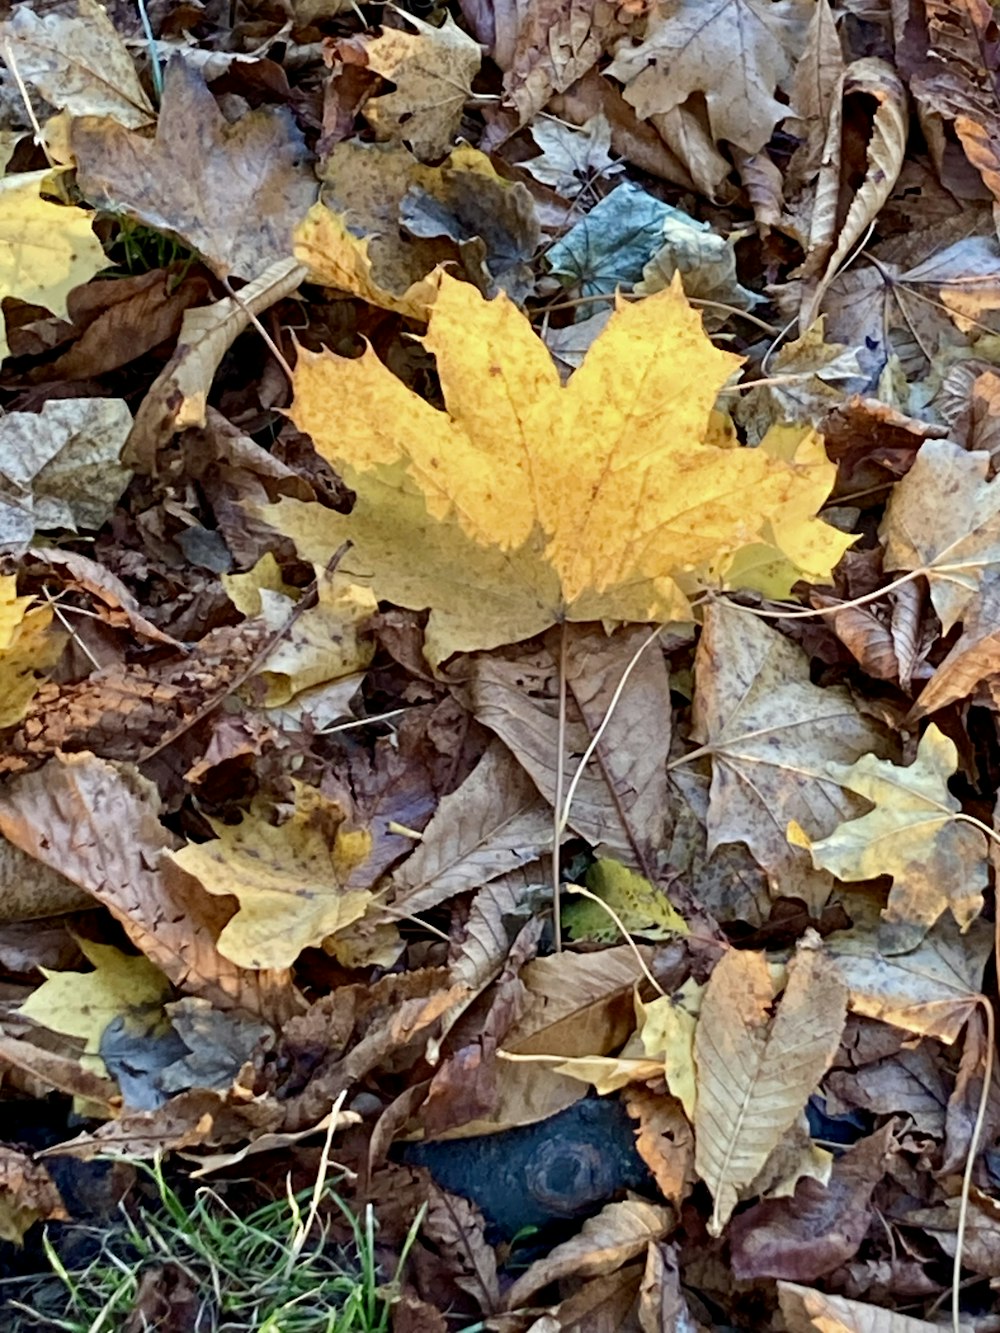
{"points": [[97, 823], [932, 990], [732, 52], [494, 823], [943, 518], [809, 1311], [771, 733], [756, 1074], [433, 70], [77, 62], [937, 862], [605, 1243]]}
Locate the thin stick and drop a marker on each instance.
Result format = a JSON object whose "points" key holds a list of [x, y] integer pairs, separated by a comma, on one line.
{"points": [[970, 1162], [271, 344]]}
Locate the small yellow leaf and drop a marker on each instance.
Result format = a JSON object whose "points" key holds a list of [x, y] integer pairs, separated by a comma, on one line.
{"points": [[82, 1004], [27, 646], [287, 879], [46, 249], [666, 1027]]}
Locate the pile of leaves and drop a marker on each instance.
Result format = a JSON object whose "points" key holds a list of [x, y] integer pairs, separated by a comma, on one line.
{"points": [[500, 620]]}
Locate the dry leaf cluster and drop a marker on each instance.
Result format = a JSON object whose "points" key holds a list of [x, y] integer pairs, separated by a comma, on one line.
{"points": [[500, 640]]}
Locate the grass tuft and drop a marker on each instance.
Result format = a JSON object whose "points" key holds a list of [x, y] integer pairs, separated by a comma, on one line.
{"points": [[272, 1271]]}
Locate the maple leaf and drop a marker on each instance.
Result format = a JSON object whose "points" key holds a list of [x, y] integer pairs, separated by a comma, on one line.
{"points": [[26, 646], [47, 249], [433, 70], [233, 192], [771, 734], [937, 863], [526, 502], [944, 519], [730, 50], [289, 880]]}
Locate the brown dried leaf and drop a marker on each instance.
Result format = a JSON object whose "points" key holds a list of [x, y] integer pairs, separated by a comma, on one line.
{"points": [[808, 1311], [493, 824], [605, 1243], [771, 733], [178, 397], [27, 1194], [664, 1140], [232, 192], [755, 1074], [820, 1227]]}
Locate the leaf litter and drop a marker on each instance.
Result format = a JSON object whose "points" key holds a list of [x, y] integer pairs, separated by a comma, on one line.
{"points": [[497, 637]]}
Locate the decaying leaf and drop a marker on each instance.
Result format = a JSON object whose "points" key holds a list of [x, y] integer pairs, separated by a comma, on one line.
{"points": [[78, 62], [232, 192], [943, 519], [683, 51], [433, 70], [761, 719], [61, 468], [98, 825], [556, 528], [809, 1311], [915, 834], [754, 1073]]}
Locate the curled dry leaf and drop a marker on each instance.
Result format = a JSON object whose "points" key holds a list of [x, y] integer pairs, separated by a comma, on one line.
{"points": [[832, 240], [755, 1074], [178, 397], [605, 1243]]}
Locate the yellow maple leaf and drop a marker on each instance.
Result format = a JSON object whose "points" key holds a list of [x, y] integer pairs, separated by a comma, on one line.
{"points": [[27, 645], [46, 249], [527, 502], [914, 833], [82, 1004], [289, 879]]}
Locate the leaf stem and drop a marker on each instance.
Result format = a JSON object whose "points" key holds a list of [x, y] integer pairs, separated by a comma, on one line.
{"points": [[558, 822]]}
